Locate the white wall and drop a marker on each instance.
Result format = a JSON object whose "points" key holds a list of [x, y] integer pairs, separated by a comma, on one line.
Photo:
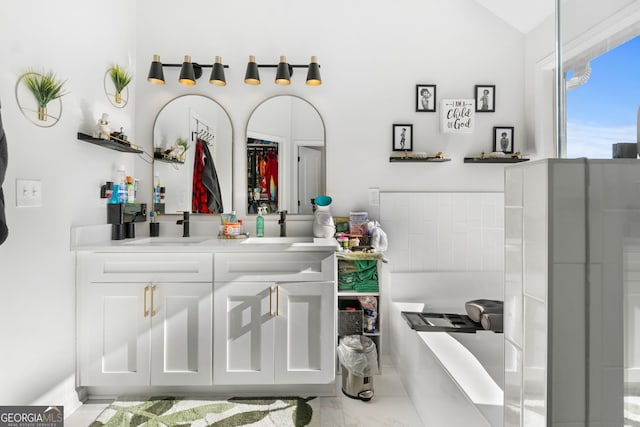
{"points": [[371, 58], [78, 40]]}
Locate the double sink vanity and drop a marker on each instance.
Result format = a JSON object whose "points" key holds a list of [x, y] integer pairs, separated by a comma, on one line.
{"points": [[208, 314], [201, 313]]}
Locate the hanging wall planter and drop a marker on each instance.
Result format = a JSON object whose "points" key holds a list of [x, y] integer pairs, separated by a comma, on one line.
{"points": [[116, 80], [44, 88]]}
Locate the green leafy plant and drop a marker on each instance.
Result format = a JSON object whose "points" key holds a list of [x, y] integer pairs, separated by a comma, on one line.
{"points": [[184, 144], [120, 77], [45, 87]]}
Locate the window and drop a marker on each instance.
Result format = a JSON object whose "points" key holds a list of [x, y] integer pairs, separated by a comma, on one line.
{"points": [[604, 110]]}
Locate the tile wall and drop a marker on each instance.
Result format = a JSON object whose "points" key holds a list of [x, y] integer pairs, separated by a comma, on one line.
{"points": [[438, 231]]}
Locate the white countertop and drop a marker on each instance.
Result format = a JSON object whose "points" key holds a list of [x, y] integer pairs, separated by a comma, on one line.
{"points": [[96, 238]]}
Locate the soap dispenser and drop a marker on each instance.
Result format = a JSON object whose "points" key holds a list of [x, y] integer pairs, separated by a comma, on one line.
{"points": [[323, 224], [260, 224]]}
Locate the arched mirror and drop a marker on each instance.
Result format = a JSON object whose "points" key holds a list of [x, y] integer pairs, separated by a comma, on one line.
{"points": [[285, 156], [192, 167]]}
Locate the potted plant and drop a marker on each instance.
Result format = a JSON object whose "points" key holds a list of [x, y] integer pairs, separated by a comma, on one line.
{"points": [[184, 145], [45, 87], [120, 79]]}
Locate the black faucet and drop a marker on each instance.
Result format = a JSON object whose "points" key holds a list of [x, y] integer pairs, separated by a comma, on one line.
{"points": [[283, 223], [185, 223]]}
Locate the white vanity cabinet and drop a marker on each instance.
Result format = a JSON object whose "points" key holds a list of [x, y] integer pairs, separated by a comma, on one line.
{"points": [[275, 318], [144, 318]]}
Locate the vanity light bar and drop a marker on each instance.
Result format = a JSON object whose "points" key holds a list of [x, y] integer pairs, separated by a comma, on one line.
{"points": [[284, 71], [189, 71], [192, 71]]}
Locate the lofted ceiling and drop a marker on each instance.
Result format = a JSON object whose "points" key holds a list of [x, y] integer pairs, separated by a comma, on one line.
{"points": [[524, 15]]}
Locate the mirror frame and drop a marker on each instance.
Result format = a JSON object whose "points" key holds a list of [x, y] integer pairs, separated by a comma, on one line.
{"points": [[246, 136], [153, 136]]}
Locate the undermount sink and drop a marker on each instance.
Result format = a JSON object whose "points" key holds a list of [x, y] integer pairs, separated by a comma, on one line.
{"points": [[277, 240], [168, 240]]}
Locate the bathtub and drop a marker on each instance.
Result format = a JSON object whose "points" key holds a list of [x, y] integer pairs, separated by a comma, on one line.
{"points": [[453, 379]]}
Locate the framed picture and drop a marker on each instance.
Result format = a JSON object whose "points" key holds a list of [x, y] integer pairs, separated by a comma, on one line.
{"points": [[485, 98], [402, 137], [503, 139], [426, 98]]}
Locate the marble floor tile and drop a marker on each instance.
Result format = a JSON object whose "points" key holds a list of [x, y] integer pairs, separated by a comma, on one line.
{"points": [[381, 411], [389, 407]]}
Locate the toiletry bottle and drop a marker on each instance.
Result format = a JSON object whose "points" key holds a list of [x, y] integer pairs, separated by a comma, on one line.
{"points": [[131, 191], [260, 224], [122, 185], [156, 188], [234, 218], [136, 185]]}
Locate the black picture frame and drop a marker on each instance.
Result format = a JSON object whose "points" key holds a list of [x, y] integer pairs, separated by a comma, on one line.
{"points": [[426, 99], [402, 137], [485, 98], [506, 145]]}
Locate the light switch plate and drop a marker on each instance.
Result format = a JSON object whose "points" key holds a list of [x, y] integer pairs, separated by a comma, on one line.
{"points": [[28, 193], [374, 196]]}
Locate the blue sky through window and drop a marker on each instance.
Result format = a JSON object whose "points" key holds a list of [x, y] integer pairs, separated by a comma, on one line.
{"points": [[604, 110]]}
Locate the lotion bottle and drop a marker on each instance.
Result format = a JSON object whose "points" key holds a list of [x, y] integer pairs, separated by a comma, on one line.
{"points": [[260, 224]]}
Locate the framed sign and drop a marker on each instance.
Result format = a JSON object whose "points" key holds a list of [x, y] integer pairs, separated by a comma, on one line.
{"points": [[402, 137], [503, 139], [485, 98], [426, 98], [457, 115]]}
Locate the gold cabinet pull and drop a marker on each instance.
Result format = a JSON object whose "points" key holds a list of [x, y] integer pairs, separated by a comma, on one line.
{"points": [[153, 305], [270, 302], [277, 300], [145, 311]]}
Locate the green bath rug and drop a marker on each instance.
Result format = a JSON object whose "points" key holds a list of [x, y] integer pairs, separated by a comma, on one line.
{"points": [[161, 411]]}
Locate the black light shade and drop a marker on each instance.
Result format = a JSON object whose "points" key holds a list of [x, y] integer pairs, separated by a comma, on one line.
{"points": [[187, 75], [313, 75], [283, 75], [217, 73], [156, 75], [252, 76]]}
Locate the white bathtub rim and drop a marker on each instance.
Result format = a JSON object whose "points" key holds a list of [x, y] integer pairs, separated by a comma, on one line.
{"points": [[462, 367]]}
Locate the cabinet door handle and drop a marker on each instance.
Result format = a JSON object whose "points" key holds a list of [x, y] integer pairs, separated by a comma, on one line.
{"points": [[270, 302], [153, 305], [145, 311], [277, 300]]}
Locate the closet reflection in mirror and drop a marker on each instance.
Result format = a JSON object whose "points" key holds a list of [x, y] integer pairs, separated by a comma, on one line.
{"points": [[285, 156], [192, 140]]}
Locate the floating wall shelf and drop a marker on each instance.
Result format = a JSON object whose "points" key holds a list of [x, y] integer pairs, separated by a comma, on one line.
{"points": [[418, 159], [163, 158], [108, 143], [494, 160]]}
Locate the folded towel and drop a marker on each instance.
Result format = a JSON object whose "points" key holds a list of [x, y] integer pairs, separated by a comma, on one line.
{"points": [[476, 308], [492, 322]]}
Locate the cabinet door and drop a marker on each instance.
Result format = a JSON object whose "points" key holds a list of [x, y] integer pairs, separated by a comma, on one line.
{"points": [[244, 330], [181, 333], [114, 334], [305, 333]]}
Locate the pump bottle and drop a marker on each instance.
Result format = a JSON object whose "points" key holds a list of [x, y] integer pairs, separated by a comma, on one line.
{"points": [[260, 224]]}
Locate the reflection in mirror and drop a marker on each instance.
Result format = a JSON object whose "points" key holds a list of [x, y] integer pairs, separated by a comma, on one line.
{"points": [[187, 128], [285, 156]]}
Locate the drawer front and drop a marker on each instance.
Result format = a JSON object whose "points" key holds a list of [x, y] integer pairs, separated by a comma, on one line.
{"points": [[276, 267], [145, 267]]}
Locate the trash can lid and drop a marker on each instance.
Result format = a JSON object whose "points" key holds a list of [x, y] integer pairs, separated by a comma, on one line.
{"points": [[358, 343]]}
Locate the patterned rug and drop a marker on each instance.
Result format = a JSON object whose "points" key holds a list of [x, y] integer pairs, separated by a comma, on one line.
{"points": [[170, 411]]}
